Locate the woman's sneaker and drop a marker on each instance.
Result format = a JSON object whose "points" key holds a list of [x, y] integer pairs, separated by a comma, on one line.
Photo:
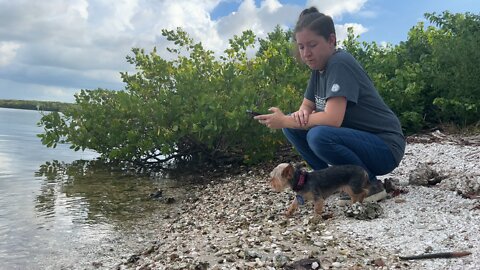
{"points": [[376, 193]]}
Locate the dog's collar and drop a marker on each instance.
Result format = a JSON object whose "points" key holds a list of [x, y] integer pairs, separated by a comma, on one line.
{"points": [[302, 179]]}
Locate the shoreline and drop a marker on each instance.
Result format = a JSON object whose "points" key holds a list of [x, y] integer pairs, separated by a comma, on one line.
{"points": [[238, 222]]}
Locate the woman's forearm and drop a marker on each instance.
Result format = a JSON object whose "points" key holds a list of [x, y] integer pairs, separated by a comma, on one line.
{"points": [[315, 119], [307, 105], [289, 122]]}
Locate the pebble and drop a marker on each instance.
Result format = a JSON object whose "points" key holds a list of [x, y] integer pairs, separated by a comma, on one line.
{"points": [[337, 264], [280, 260]]}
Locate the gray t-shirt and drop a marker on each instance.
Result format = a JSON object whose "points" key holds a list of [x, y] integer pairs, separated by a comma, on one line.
{"points": [[344, 76]]}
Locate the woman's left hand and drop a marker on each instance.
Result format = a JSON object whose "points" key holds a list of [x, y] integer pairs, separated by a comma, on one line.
{"points": [[275, 120]]}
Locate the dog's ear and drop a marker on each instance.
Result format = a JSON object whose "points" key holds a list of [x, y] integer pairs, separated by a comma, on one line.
{"points": [[288, 172]]}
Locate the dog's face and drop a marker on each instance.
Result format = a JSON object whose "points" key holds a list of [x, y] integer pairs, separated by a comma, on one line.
{"points": [[280, 175]]}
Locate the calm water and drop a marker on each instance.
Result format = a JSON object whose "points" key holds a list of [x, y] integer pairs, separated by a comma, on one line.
{"points": [[58, 211]]}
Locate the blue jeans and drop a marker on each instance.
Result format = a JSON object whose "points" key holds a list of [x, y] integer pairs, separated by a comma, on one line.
{"points": [[324, 145]]}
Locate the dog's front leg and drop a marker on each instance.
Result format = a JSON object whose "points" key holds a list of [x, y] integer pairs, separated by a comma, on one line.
{"points": [[292, 208], [318, 206]]}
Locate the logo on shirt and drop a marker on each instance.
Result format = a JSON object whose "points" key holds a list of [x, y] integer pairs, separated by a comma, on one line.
{"points": [[335, 88], [320, 103]]}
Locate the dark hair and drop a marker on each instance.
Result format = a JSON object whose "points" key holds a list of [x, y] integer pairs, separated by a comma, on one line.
{"points": [[315, 21]]}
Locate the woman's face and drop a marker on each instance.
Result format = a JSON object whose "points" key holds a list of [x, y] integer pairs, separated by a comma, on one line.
{"points": [[314, 49]]}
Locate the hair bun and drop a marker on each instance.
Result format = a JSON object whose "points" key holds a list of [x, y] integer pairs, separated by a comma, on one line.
{"points": [[310, 10]]}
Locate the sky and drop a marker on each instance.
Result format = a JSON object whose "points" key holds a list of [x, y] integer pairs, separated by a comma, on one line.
{"points": [[49, 50]]}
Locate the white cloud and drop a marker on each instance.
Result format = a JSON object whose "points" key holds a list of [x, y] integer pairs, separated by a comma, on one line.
{"points": [[75, 44], [271, 5], [110, 76], [58, 93], [342, 30], [34, 21], [122, 12], [370, 14], [8, 51], [193, 17], [261, 20], [336, 8], [244, 18]]}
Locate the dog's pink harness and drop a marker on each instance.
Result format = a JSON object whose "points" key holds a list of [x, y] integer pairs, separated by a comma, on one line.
{"points": [[301, 181]]}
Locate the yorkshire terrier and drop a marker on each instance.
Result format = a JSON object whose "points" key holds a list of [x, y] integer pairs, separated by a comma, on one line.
{"points": [[318, 185]]}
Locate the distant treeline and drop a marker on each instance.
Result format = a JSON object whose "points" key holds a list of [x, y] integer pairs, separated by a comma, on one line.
{"points": [[53, 106]]}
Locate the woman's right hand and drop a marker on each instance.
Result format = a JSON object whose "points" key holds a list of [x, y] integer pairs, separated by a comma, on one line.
{"points": [[301, 116]]}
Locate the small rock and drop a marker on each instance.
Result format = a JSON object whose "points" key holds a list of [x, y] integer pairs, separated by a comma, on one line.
{"points": [[156, 194], [400, 200], [174, 257], [379, 262], [133, 259], [364, 211], [280, 260], [337, 265], [202, 266], [97, 264], [149, 250], [251, 254], [230, 259], [169, 200], [328, 215], [259, 262], [424, 175], [302, 264], [327, 237]]}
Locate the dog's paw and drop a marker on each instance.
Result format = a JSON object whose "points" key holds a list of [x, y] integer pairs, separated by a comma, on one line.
{"points": [[290, 212]]}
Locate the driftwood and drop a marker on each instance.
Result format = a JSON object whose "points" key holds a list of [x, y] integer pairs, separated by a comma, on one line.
{"points": [[436, 255]]}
